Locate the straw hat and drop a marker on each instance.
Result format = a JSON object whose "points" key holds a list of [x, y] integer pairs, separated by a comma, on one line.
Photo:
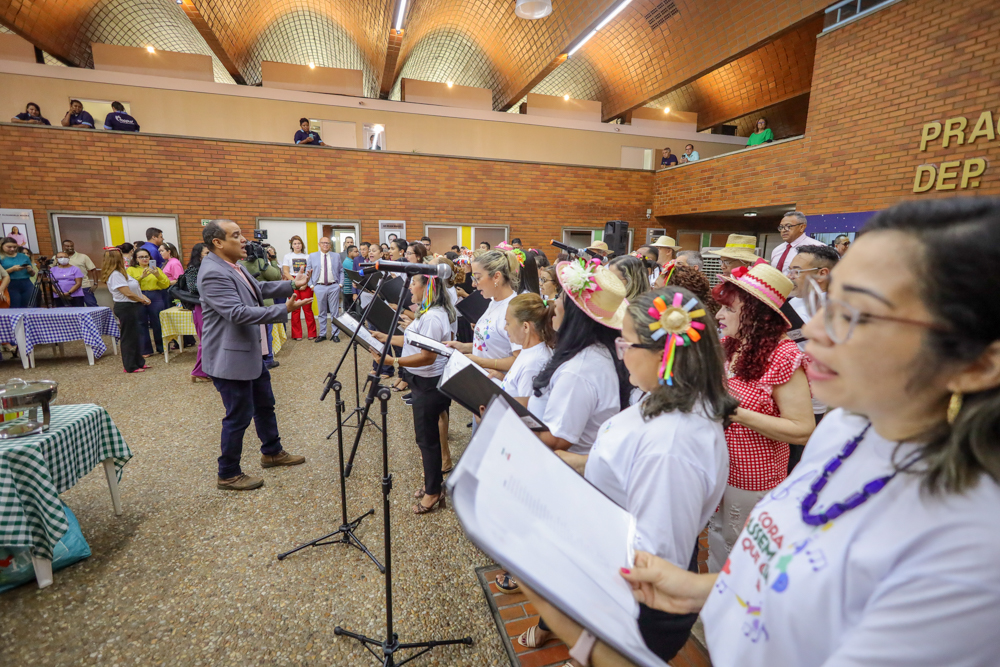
{"points": [[599, 245], [595, 290], [739, 247], [665, 242], [764, 282]]}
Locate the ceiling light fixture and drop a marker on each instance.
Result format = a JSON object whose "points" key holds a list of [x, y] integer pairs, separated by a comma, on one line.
{"points": [[566, 97], [607, 20], [400, 14], [666, 109], [451, 83], [312, 65], [750, 214], [532, 9], [151, 49]]}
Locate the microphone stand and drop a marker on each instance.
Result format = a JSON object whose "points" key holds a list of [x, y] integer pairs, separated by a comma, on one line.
{"points": [[347, 528], [391, 644]]}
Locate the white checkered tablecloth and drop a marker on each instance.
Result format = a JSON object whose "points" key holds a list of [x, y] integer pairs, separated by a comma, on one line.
{"points": [[35, 469], [60, 325]]}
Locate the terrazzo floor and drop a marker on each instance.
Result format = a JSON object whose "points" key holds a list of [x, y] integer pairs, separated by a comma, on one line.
{"points": [[188, 574]]}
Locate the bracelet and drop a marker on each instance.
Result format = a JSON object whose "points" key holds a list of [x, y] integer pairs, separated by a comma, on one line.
{"points": [[583, 647]]}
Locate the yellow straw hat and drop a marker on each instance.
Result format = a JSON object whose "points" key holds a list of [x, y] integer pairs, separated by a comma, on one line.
{"points": [[665, 242], [739, 247]]}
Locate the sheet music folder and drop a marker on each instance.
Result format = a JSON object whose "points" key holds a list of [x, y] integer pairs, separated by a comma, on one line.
{"points": [[473, 306], [347, 323], [470, 386], [425, 343], [571, 539], [380, 315]]}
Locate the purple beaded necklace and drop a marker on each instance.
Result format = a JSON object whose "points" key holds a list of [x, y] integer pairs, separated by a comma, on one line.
{"points": [[859, 498]]}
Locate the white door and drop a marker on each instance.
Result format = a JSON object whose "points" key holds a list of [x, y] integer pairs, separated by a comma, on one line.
{"points": [[135, 228], [443, 237]]}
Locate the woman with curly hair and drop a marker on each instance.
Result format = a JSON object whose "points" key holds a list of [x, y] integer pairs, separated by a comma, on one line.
{"points": [[631, 271], [765, 371]]}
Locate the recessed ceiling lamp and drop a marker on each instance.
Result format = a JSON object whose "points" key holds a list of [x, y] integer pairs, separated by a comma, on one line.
{"points": [[532, 9], [451, 83], [750, 214], [151, 49], [312, 65], [566, 97], [607, 20], [666, 109]]}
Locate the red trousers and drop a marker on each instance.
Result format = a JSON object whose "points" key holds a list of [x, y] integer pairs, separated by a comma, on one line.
{"points": [[305, 293]]}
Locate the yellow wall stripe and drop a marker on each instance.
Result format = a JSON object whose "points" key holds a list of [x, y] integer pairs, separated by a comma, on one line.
{"points": [[117, 229]]}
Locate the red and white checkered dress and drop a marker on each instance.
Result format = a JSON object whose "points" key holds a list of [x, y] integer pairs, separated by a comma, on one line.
{"points": [[757, 463]]}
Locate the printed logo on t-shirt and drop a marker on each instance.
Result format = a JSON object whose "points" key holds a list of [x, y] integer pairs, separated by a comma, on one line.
{"points": [[298, 265]]}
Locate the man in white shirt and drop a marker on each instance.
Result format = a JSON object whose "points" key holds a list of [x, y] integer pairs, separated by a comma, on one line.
{"points": [[91, 275], [326, 278], [793, 233]]}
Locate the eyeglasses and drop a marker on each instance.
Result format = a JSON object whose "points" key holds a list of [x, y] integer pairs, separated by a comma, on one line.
{"points": [[795, 273], [840, 318], [622, 346], [785, 228]]}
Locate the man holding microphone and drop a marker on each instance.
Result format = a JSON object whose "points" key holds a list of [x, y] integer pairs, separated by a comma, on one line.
{"points": [[234, 344]]}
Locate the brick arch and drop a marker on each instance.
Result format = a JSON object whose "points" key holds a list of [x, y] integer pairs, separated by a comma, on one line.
{"points": [[468, 31], [640, 62]]}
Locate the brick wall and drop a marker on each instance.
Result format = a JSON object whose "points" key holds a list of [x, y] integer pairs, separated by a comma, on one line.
{"points": [[876, 82], [73, 170]]}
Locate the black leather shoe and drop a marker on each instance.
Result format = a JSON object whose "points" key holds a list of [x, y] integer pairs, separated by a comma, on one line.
{"points": [[320, 339], [336, 338], [273, 364]]}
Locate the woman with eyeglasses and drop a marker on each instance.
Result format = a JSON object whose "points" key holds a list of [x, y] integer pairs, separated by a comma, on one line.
{"points": [[154, 284], [881, 549], [765, 371], [548, 283]]}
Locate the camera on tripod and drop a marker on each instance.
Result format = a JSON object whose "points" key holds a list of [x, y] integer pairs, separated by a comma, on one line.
{"points": [[255, 249]]}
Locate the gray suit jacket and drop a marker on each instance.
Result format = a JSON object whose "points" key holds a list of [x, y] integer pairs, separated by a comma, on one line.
{"points": [[232, 314], [316, 266]]}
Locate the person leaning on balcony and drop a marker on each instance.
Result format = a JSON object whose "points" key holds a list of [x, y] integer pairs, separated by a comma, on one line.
{"points": [[305, 136], [120, 121], [762, 135], [690, 154], [31, 114], [77, 117], [668, 159]]}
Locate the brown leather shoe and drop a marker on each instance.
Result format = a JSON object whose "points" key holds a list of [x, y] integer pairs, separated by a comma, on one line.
{"points": [[240, 483], [282, 458]]}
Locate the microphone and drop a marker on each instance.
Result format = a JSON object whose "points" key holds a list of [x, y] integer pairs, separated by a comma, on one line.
{"points": [[442, 271], [571, 250]]}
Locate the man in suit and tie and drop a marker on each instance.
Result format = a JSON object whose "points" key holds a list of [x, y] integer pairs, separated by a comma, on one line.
{"points": [[233, 346], [327, 275]]}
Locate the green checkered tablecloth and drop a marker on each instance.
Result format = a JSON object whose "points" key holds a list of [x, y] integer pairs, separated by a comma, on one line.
{"points": [[35, 469]]}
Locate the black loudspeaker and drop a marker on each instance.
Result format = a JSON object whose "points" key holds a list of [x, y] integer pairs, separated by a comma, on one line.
{"points": [[616, 236]]}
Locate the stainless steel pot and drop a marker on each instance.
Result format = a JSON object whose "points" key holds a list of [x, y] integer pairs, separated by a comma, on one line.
{"points": [[20, 395]]}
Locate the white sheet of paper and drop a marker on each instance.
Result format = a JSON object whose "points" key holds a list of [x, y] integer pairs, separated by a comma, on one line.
{"points": [[571, 540], [363, 333], [457, 362]]}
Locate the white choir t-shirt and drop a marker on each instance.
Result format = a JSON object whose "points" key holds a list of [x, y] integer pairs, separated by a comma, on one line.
{"points": [[528, 364], [294, 261], [582, 394], [668, 472], [489, 338], [905, 579], [433, 324], [453, 298]]}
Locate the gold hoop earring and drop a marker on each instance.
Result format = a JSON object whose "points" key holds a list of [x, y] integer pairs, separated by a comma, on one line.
{"points": [[954, 406]]}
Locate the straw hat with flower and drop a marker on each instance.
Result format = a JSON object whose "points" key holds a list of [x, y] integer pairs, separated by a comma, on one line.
{"points": [[763, 282], [595, 290]]}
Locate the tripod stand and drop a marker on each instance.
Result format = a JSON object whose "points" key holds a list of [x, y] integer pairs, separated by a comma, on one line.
{"points": [[391, 644], [347, 528]]}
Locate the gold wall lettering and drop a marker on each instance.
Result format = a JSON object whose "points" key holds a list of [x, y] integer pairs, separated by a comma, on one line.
{"points": [[955, 174]]}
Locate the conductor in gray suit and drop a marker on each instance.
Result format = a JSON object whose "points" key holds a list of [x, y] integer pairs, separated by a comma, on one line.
{"points": [[233, 346]]}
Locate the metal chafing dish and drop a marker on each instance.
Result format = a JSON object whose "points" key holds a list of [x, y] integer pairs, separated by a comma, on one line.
{"points": [[22, 395]]}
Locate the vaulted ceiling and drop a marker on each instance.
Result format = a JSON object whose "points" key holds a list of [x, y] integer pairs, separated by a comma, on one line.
{"points": [[722, 58]]}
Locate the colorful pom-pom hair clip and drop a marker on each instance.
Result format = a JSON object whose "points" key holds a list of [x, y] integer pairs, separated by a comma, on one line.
{"points": [[677, 322]]}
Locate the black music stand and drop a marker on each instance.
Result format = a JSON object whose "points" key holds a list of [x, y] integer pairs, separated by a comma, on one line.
{"points": [[391, 644]]}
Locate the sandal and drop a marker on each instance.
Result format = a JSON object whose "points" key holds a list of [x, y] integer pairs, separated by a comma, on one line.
{"points": [[529, 638], [424, 509], [419, 493], [445, 471], [506, 584]]}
